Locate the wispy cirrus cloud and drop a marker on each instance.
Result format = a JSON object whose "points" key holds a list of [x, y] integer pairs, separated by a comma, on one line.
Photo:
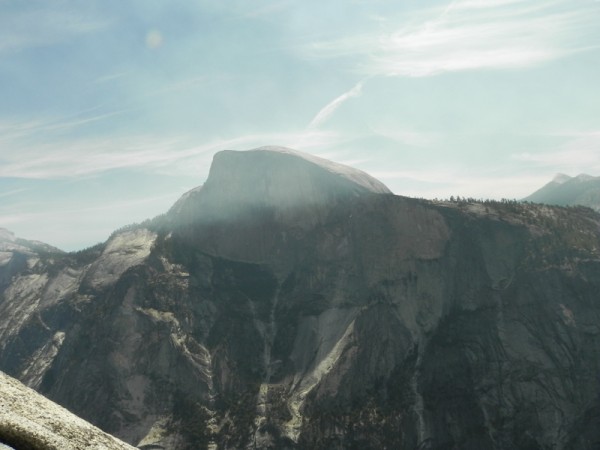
{"points": [[8, 217], [581, 153], [71, 157], [40, 24], [407, 137], [470, 35], [81, 224], [110, 77], [12, 130], [12, 192], [326, 112]]}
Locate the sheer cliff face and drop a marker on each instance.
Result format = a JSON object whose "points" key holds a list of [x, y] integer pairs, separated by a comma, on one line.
{"points": [[254, 202], [293, 303]]}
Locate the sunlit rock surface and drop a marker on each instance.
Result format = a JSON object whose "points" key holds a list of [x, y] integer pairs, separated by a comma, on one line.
{"points": [[295, 303], [30, 421]]}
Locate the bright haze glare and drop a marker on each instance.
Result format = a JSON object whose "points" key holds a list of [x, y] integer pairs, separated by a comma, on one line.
{"points": [[111, 110]]}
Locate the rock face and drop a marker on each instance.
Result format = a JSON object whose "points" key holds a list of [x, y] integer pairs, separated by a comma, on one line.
{"points": [[294, 303], [565, 190], [30, 421]]}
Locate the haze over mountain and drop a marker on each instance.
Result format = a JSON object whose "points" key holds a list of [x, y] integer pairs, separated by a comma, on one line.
{"points": [[290, 302], [565, 190], [110, 110]]}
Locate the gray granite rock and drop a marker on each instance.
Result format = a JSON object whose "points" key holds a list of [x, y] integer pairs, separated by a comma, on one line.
{"points": [[292, 303], [30, 421]]}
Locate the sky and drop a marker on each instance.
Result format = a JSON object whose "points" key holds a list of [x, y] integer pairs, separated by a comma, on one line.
{"points": [[110, 110]]}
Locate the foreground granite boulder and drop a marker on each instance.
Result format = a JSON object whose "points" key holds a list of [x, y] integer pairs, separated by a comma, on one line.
{"points": [[31, 421]]}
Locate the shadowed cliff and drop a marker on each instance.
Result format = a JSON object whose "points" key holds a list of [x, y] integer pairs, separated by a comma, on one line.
{"points": [[295, 303]]}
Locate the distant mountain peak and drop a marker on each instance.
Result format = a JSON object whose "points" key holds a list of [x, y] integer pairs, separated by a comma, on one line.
{"points": [[10, 242], [584, 177], [276, 177], [265, 161], [254, 196], [564, 190], [561, 178]]}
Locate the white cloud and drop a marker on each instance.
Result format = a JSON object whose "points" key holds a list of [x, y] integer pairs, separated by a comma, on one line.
{"points": [[12, 192], [11, 130], [407, 137], [580, 154], [110, 77], [72, 158], [35, 26], [76, 158], [76, 226], [472, 34], [442, 182], [326, 112]]}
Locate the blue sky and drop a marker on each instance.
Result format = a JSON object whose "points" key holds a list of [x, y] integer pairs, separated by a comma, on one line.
{"points": [[110, 110]]}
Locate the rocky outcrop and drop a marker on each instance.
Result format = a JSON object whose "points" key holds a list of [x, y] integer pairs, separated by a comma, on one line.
{"points": [[254, 202], [30, 421], [332, 315]]}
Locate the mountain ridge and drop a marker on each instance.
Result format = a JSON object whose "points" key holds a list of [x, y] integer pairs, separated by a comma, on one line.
{"points": [[564, 190], [363, 319]]}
